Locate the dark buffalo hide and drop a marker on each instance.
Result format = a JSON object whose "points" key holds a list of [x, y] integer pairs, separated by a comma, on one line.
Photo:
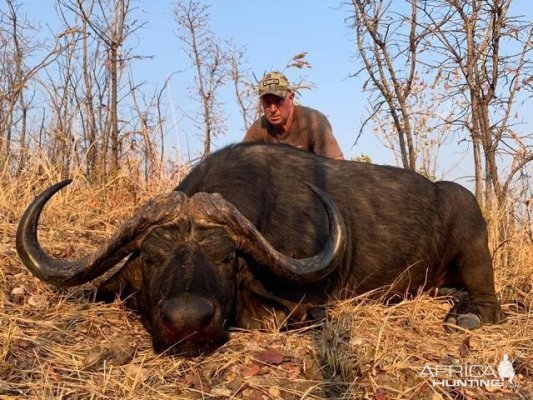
{"points": [[257, 232]]}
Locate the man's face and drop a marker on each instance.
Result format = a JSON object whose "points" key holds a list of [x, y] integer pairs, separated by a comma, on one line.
{"points": [[277, 109]]}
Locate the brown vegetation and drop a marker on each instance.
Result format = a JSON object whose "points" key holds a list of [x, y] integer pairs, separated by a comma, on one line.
{"points": [[58, 344], [109, 136]]}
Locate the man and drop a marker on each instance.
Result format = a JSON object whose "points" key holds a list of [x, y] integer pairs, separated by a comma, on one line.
{"points": [[285, 122]]}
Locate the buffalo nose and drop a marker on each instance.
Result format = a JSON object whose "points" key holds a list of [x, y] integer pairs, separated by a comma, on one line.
{"points": [[188, 313]]}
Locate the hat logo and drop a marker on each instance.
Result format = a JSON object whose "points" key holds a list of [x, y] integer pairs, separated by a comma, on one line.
{"points": [[271, 81]]}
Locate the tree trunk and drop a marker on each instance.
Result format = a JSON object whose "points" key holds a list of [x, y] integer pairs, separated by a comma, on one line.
{"points": [[113, 55], [90, 117]]}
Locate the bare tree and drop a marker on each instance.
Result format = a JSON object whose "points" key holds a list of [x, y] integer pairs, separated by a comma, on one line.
{"points": [[60, 83], [16, 73], [210, 61], [111, 24], [68, 103], [89, 122], [244, 88], [93, 80], [388, 44], [149, 126], [477, 62], [491, 51], [299, 62]]}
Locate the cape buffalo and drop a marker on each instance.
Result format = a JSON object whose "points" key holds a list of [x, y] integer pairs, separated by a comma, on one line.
{"points": [[260, 230]]}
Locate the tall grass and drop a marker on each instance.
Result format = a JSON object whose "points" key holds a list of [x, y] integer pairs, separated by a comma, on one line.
{"points": [[58, 344]]}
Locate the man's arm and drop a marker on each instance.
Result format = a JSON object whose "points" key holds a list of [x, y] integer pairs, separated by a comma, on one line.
{"points": [[335, 151], [327, 145], [253, 134], [249, 137]]}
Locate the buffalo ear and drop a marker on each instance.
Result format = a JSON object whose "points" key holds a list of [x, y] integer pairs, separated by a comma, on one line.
{"points": [[125, 284]]}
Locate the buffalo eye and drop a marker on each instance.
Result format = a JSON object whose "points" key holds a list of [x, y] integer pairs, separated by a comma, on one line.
{"points": [[220, 255], [229, 258], [218, 248], [148, 260]]}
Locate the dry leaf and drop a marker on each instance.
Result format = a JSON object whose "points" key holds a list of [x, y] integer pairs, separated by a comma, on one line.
{"points": [[221, 391], [235, 384], [250, 370], [18, 291], [23, 343], [134, 375], [251, 394], [274, 392], [381, 395], [270, 356], [194, 381], [465, 349], [52, 374], [121, 352], [293, 370], [20, 276], [38, 301], [95, 357], [115, 352]]}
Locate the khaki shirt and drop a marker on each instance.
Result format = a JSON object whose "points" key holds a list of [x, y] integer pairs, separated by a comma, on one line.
{"points": [[310, 130]]}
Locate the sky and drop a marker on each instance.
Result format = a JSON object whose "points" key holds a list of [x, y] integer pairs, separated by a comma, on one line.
{"points": [[272, 33]]}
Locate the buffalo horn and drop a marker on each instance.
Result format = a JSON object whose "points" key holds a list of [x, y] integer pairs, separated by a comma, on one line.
{"points": [[214, 210], [125, 240]]}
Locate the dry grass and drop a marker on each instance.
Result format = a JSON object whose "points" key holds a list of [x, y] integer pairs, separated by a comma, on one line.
{"points": [[50, 338]]}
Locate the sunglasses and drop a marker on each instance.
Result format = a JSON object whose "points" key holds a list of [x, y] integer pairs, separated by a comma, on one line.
{"points": [[267, 101]]}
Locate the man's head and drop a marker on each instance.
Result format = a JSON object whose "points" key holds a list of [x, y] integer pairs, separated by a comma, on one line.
{"points": [[277, 100], [274, 83]]}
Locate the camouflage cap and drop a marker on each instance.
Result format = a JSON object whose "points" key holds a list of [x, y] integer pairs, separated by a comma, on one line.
{"points": [[274, 83]]}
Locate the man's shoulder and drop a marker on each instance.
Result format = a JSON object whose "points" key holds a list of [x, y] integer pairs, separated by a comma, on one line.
{"points": [[260, 123], [308, 110], [258, 130], [311, 116]]}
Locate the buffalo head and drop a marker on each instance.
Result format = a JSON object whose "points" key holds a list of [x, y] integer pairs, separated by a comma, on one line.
{"points": [[184, 255]]}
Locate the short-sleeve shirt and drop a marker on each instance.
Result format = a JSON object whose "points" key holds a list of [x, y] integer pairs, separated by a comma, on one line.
{"points": [[310, 130]]}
